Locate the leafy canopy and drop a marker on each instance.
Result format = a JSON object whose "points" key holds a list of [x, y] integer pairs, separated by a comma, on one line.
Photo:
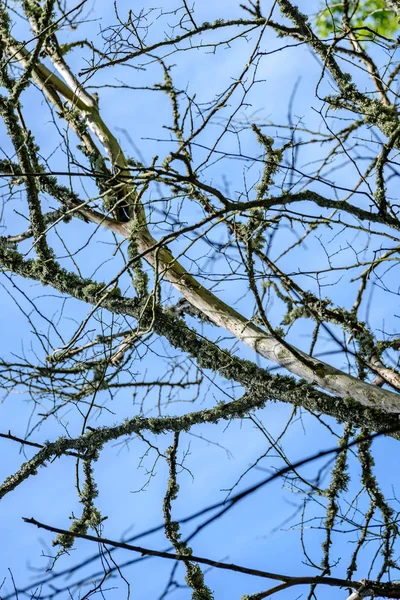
{"points": [[373, 14]]}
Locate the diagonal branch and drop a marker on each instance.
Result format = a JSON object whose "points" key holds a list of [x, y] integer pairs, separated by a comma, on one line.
{"points": [[388, 590], [297, 362]]}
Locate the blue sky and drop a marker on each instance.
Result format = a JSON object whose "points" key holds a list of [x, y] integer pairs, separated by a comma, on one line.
{"points": [[246, 535]]}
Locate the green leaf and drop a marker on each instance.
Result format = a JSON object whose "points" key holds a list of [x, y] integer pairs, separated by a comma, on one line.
{"points": [[373, 14]]}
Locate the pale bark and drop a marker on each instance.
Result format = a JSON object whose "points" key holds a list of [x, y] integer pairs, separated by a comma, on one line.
{"points": [[314, 371]]}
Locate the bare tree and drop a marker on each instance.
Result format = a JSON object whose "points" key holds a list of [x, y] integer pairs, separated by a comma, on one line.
{"points": [[187, 220]]}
